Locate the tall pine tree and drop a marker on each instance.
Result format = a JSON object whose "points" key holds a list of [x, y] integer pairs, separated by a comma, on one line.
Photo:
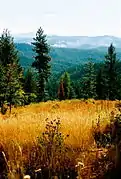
{"points": [[29, 82], [100, 84], [11, 72], [52, 86], [41, 63], [111, 74], [89, 81], [61, 93], [65, 88], [30, 86]]}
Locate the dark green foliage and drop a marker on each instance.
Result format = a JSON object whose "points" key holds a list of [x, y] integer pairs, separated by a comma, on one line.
{"points": [[98, 80], [30, 86], [89, 81], [14, 93], [10, 71], [8, 54], [61, 93], [66, 84], [100, 84], [72, 93], [2, 84], [30, 98], [111, 74], [77, 72], [63, 58], [108, 77], [41, 62], [65, 89], [77, 89], [52, 86], [2, 90]]}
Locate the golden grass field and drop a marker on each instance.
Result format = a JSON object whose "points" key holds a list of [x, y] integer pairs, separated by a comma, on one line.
{"points": [[25, 124]]}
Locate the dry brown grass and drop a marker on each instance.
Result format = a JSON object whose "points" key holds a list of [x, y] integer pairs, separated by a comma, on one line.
{"points": [[25, 124]]}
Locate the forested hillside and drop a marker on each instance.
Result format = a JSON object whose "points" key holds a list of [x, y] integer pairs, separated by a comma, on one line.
{"points": [[63, 58], [49, 73]]}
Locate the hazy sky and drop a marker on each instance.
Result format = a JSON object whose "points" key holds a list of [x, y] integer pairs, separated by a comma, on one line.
{"points": [[62, 17]]}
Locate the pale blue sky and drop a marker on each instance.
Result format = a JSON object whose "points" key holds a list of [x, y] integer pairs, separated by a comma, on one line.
{"points": [[62, 17]]}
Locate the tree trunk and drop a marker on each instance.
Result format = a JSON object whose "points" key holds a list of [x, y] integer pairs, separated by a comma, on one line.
{"points": [[118, 157], [10, 107]]}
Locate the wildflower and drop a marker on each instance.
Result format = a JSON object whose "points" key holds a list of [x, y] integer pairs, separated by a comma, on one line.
{"points": [[79, 164], [27, 177]]}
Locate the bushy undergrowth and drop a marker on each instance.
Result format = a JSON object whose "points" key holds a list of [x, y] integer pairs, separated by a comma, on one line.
{"points": [[107, 165], [52, 156]]}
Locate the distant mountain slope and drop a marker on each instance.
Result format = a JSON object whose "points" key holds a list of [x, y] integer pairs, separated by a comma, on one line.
{"points": [[81, 42], [63, 58], [84, 42]]}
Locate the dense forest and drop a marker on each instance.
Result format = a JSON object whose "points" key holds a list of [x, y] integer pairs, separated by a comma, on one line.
{"points": [[63, 58], [40, 75]]}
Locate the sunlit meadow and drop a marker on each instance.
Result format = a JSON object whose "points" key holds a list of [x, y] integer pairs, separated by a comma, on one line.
{"points": [[20, 130]]}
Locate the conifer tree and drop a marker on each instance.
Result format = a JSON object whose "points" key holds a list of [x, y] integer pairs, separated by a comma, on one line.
{"points": [[61, 94], [41, 63], [52, 87], [30, 87], [111, 74], [29, 82], [66, 84], [78, 89], [72, 93], [65, 88], [89, 81], [2, 85], [100, 84], [12, 92]]}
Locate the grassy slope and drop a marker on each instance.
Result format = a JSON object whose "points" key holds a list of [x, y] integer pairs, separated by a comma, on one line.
{"points": [[26, 123], [19, 131]]}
